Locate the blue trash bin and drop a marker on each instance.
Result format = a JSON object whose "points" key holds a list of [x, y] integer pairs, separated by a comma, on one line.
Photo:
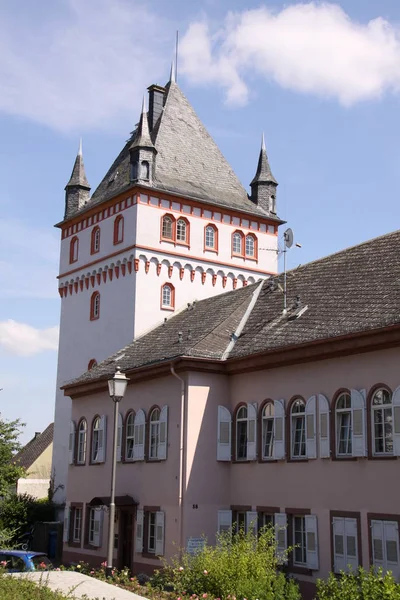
{"points": [[52, 544]]}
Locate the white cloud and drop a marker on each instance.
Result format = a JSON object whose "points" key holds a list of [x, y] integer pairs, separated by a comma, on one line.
{"points": [[84, 65], [29, 261], [311, 48], [24, 340]]}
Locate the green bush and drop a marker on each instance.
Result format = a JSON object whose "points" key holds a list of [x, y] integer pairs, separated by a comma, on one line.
{"points": [[238, 566], [18, 512], [360, 585], [15, 588]]}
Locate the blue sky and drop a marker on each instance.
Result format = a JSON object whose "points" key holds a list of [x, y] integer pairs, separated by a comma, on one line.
{"points": [[322, 80]]}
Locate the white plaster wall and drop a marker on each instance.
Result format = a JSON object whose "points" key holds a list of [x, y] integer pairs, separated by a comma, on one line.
{"points": [[38, 488]]}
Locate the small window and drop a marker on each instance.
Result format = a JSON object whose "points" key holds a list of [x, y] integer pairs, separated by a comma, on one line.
{"points": [[251, 246], [241, 433], [95, 240], [181, 230], [95, 306], [77, 525], [298, 425], [272, 204], [73, 250], [237, 243], [144, 170], [96, 440], [382, 422], [92, 363], [168, 296], [268, 431], [81, 449], [343, 425], [154, 438], [167, 228], [130, 436], [118, 230], [211, 238]]}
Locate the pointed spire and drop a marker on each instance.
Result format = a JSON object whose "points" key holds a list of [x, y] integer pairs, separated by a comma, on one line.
{"points": [[172, 75], [78, 175], [264, 173], [142, 137], [263, 142]]}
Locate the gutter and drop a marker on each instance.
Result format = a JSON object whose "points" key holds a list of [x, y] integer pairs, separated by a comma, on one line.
{"points": [[182, 457]]}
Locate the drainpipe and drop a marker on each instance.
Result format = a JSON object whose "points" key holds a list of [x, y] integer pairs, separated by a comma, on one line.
{"points": [[182, 458]]}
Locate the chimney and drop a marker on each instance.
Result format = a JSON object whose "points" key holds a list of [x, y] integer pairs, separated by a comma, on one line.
{"points": [[37, 433], [156, 103]]}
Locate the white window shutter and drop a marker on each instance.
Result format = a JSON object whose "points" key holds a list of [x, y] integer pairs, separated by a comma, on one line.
{"points": [[224, 439], [339, 548], [67, 516], [351, 541], [312, 542], [159, 533], [311, 434], [224, 520], [251, 431], [324, 437], [396, 421], [279, 452], [252, 522], [71, 448], [139, 439], [391, 549], [97, 528], [139, 530], [119, 438], [358, 423], [281, 536], [102, 439], [162, 446], [377, 544]]}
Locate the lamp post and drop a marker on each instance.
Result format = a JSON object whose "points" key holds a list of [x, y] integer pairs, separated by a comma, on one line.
{"points": [[116, 387]]}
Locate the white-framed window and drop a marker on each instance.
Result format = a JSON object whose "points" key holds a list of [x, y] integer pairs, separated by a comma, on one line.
{"points": [[167, 296], [305, 541], [241, 433], [343, 415], [298, 428], [345, 544], [151, 540], [119, 229], [95, 522], [81, 449], [299, 540], [154, 436], [266, 519], [95, 306], [129, 436], [98, 439], [382, 422], [210, 237], [268, 421], [77, 525], [385, 545], [167, 229], [237, 243], [250, 246], [96, 239], [155, 521], [71, 444], [181, 230]]}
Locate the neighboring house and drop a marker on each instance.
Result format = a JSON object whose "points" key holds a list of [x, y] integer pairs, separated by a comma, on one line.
{"points": [[239, 412], [35, 458], [170, 223]]}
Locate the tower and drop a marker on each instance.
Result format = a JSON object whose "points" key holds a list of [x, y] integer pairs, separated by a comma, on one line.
{"points": [[264, 184], [169, 223]]}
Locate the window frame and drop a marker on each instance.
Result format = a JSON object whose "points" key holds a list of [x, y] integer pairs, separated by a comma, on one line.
{"points": [[265, 405], [154, 425], [163, 238], [214, 247], [291, 418], [345, 515], [242, 420], [95, 306], [119, 225], [371, 422], [77, 510], [253, 237], [186, 241], [170, 306], [81, 461], [74, 250], [129, 415], [382, 517], [95, 237], [335, 437], [93, 459], [242, 242]]}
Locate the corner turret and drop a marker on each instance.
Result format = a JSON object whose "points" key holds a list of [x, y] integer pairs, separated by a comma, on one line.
{"points": [[77, 190], [142, 152], [264, 184]]}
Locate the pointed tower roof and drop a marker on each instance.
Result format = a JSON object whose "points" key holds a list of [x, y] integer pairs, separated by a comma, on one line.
{"points": [[142, 137], [78, 175], [264, 173]]}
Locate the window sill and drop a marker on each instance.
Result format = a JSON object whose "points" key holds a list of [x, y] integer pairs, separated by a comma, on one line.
{"points": [[155, 460], [168, 240], [243, 461], [297, 570], [269, 460], [297, 460], [75, 544], [170, 308], [94, 252], [251, 258], [233, 255], [118, 242], [94, 318], [96, 464], [78, 464], [150, 555], [340, 458], [186, 244], [211, 250], [381, 457]]}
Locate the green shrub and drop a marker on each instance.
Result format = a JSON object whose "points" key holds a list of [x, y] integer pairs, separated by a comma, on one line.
{"points": [[360, 585], [18, 512], [238, 566]]}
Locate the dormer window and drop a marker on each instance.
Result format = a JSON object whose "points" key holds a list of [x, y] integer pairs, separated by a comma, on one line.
{"points": [[145, 170]]}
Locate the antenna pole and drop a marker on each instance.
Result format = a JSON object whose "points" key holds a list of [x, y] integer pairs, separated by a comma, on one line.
{"points": [[284, 281], [176, 55]]}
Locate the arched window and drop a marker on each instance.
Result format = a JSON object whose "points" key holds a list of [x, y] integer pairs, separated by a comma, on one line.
{"points": [[211, 237], [251, 246], [343, 425], [298, 428], [97, 442], [237, 243], [167, 227], [95, 240], [130, 435], [182, 230], [92, 363], [73, 249], [382, 422], [95, 306], [144, 169], [272, 204], [81, 445], [241, 433], [118, 230], [154, 433], [168, 296], [268, 415]]}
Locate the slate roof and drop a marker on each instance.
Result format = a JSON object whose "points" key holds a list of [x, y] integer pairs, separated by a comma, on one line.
{"points": [[353, 291], [33, 449], [263, 173], [188, 162], [78, 175]]}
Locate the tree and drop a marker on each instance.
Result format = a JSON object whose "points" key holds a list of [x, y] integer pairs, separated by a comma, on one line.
{"points": [[10, 471]]}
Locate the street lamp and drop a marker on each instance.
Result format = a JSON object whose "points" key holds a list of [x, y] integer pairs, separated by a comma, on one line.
{"points": [[116, 388]]}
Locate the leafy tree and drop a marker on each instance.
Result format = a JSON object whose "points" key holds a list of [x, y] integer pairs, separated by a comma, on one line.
{"points": [[10, 471]]}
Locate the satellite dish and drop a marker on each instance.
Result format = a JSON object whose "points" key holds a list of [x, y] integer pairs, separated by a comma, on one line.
{"points": [[288, 238]]}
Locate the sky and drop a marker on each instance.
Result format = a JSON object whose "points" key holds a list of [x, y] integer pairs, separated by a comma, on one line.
{"points": [[320, 79]]}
